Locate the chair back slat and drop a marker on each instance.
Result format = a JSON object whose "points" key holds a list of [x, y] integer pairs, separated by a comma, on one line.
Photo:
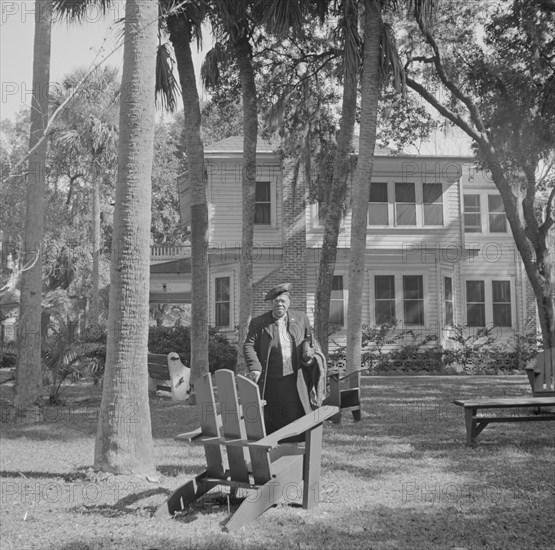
{"points": [[233, 427], [207, 412], [249, 398]]}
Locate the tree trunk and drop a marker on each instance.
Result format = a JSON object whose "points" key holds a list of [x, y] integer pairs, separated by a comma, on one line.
{"points": [[337, 196], [95, 247], [250, 136], [370, 95], [124, 435], [180, 36], [28, 379], [531, 243]]}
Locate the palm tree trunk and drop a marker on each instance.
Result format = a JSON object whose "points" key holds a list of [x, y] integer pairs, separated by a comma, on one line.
{"points": [[337, 196], [370, 95], [28, 379], [95, 246], [124, 435], [180, 36], [250, 135]]}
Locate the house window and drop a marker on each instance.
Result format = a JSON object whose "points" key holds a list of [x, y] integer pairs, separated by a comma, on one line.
{"points": [[501, 302], [222, 302], [413, 299], [384, 299], [432, 195], [337, 303], [472, 214], [447, 301], [475, 304], [405, 203], [497, 217], [378, 204], [262, 203]]}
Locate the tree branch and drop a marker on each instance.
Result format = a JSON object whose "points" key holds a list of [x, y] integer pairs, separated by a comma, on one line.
{"points": [[450, 85], [446, 112]]}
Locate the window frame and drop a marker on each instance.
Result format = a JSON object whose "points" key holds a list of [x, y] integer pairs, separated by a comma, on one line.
{"points": [[399, 296], [270, 204], [214, 277], [485, 223], [419, 206], [488, 297], [447, 301]]}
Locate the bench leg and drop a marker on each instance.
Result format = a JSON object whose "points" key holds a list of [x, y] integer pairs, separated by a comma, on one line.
{"points": [[469, 423], [474, 425]]}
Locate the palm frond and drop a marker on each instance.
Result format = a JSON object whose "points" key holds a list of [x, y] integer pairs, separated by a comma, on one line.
{"points": [[210, 71], [348, 27], [281, 16], [77, 10], [390, 63], [167, 88]]}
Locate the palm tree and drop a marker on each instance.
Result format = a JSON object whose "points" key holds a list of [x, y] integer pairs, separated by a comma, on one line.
{"points": [[379, 57], [28, 379], [233, 23], [341, 169], [124, 435], [28, 384], [86, 128], [183, 25]]}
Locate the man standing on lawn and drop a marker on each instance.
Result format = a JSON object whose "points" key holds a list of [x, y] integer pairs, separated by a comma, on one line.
{"points": [[282, 358]]}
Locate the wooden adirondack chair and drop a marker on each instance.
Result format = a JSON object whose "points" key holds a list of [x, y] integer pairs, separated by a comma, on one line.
{"points": [[253, 460], [541, 373], [344, 392]]}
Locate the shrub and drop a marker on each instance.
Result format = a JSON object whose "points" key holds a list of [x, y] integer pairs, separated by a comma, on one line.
{"points": [[222, 354], [471, 351]]}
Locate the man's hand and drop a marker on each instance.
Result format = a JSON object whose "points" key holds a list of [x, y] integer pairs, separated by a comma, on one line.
{"points": [[254, 375]]}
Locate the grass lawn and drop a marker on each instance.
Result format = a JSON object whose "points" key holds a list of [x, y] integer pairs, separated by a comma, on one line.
{"points": [[401, 478]]}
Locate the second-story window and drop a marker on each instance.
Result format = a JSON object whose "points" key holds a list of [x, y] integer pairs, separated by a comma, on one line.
{"points": [[432, 197], [263, 203], [497, 217], [472, 214], [405, 203], [378, 207]]}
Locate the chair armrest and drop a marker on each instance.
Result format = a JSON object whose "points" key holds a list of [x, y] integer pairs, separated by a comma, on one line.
{"points": [[298, 427], [351, 374], [189, 436]]}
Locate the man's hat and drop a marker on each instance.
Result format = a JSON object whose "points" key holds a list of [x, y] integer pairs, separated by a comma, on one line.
{"points": [[277, 290]]}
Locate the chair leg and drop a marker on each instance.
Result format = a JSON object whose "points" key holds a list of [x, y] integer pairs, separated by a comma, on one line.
{"points": [[312, 468], [185, 495], [257, 502]]}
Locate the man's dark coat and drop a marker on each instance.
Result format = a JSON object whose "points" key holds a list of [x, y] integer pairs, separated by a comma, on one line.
{"points": [[262, 330]]}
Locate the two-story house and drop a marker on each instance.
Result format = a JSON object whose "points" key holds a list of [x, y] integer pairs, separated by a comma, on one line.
{"points": [[439, 249]]}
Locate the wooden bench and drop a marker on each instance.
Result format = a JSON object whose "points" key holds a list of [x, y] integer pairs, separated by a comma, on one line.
{"points": [[168, 373], [240, 455], [541, 373], [475, 424], [348, 398]]}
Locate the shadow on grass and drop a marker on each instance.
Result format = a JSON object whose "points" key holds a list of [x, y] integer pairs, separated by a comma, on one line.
{"points": [[124, 506]]}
